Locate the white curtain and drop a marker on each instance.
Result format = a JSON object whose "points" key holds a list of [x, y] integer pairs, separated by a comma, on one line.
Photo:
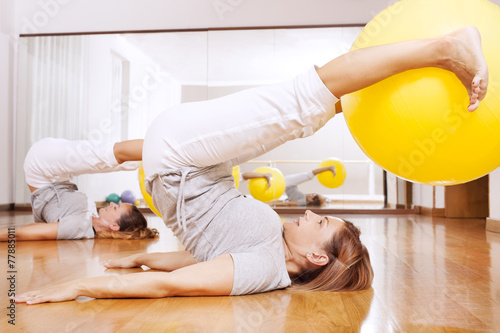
{"points": [[52, 95]]}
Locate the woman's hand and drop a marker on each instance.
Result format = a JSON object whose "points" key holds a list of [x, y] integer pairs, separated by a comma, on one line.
{"points": [[127, 262], [59, 293]]}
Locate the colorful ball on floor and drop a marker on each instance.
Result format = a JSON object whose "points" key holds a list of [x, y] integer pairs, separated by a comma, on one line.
{"points": [[113, 197], [128, 197], [258, 187], [416, 124], [327, 179], [147, 197]]}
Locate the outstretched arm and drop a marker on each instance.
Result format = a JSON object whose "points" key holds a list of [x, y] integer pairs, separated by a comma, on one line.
{"points": [[130, 150], [34, 231], [165, 261], [210, 278]]}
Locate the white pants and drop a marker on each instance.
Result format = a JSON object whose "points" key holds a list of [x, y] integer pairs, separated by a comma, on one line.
{"points": [[53, 160], [237, 127], [298, 178]]}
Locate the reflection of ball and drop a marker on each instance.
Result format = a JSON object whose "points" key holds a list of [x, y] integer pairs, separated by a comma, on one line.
{"points": [[236, 175], [113, 197], [326, 178], [128, 197], [145, 194], [258, 186], [416, 124]]}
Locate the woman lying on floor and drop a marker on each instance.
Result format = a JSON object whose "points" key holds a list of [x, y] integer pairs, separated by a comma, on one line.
{"points": [[65, 212]]}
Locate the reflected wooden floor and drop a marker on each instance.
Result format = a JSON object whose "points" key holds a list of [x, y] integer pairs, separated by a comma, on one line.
{"points": [[431, 275]]}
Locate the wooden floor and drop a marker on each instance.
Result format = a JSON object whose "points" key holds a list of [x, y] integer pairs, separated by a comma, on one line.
{"points": [[431, 275]]}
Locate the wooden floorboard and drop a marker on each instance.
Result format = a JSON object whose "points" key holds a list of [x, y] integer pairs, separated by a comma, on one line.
{"points": [[431, 275]]}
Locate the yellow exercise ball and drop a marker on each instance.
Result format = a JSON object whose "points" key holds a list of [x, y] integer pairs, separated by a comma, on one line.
{"points": [[147, 197], [326, 178], [258, 186], [236, 175], [416, 124]]}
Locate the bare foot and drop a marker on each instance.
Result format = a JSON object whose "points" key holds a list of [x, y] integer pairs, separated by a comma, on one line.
{"points": [[468, 63]]}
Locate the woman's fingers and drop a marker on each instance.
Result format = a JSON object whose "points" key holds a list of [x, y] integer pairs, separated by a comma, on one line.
{"points": [[113, 263], [31, 299], [59, 293], [126, 262]]}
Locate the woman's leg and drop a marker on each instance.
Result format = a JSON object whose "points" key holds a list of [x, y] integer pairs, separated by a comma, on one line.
{"points": [[55, 160], [247, 124], [459, 52], [239, 126], [130, 150]]}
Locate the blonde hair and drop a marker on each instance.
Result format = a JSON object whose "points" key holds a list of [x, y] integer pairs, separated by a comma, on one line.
{"points": [[349, 267], [132, 226], [136, 234]]}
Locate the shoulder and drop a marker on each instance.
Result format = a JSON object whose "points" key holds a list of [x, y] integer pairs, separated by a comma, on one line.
{"points": [[76, 226], [259, 271]]}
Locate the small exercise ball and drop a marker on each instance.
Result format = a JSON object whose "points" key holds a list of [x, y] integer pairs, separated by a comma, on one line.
{"points": [[258, 186], [147, 197], [416, 124], [327, 179], [113, 197], [236, 175], [128, 197]]}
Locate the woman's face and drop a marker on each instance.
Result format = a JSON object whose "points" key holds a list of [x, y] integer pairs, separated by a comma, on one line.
{"points": [[112, 213], [310, 232]]}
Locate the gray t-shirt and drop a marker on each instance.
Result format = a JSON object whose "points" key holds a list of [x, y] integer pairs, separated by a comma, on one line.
{"points": [[210, 217], [62, 202]]}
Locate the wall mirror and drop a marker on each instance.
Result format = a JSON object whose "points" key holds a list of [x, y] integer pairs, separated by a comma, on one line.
{"points": [[111, 86]]}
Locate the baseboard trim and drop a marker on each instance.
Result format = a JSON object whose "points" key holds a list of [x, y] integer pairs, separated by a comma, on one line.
{"points": [[492, 225], [22, 207], [6, 207], [328, 211], [434, 212]]}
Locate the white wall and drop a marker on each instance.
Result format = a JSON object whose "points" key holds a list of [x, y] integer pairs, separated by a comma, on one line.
{"points": [[7, 68]]}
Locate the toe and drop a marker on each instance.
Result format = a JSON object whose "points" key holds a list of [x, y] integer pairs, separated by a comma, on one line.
{"points": [[473, 106], [476, 81]]}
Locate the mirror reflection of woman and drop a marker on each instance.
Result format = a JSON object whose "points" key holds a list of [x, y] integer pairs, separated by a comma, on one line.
{"points": [[60, 209], [237, 245], [294, 196]]}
